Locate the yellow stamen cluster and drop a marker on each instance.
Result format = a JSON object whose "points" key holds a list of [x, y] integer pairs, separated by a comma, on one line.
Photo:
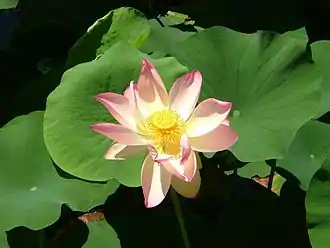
{"points": [[164, 129]]}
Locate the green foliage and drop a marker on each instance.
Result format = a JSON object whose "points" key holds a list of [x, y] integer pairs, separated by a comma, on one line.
{"points": [[260, 73], [123, 24], [101, 234], [318, 207], [307, 152], [127, 25], [275, 87], [163, 38], [3, 240], [308, 159], [250, 170], [321, 56], [8, 4], [71, 110], [31, 190], [173, 18]]}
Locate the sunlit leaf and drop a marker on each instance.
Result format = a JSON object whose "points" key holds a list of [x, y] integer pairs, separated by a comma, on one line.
{"points": [[101, 234], [307, 152], [123, 24], [163, 38], [8, 4], [321, 55], [250, 170], [3, 240], [318, 207], [274, 87], [31, 190]]}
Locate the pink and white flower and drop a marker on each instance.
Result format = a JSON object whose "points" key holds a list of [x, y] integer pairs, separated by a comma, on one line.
{"points": [[168, 127]]}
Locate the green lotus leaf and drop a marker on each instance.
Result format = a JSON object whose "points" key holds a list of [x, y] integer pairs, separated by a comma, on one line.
{"points": [[31, 190], [8, 4], [273, 85], [71, 110], [318, 207], [260, 169], [321, 56], [174, 18], [3, 240], [163, 38], [101, 234], [122, 24], [307, 152]]}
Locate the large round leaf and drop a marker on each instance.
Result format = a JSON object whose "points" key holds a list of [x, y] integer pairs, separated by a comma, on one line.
{"points": [[273, 87], [250, 170], [163, 38], [123, 24], [101, 234], [173, 18], [71, 110], [8, 4], [3, 240], [321, 55], [307, 152], [318, 207], [31, 190]]}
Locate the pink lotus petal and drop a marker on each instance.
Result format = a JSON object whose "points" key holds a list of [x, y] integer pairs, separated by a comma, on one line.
{"points": [[118, 133], [120, 151], [208, 115], [155, 182], [158, 158], [184, 171], [119, 107], [187, 189], [129, 92], [151, 90], [132, 94], [184, 94], [219, 139], [184, 142], [226, 122]]}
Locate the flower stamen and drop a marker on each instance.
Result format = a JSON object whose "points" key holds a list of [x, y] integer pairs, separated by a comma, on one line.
{"points": [[164, 129]]}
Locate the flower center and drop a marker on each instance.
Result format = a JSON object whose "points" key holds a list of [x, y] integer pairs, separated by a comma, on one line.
{"points": [[164, 129]]}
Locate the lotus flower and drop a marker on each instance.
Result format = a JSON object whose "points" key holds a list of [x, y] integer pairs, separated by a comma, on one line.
{"points": [[168, 128]]}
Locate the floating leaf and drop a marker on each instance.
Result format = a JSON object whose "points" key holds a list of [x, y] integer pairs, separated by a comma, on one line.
{"points": [[8, 4], [31, 190], [307, 152], [321, 55], [318, 207], [250, 170], [174, 18], [101, 234], [268, 77], [3, 240], [163, 38], [71, 110], [123, 24]]}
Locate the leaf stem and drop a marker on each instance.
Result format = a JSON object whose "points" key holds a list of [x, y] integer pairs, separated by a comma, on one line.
{"points": [[179, 216], [272, 164]]}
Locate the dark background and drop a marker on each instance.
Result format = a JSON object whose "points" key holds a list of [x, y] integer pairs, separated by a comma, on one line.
{"points": [[229, 211]]}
